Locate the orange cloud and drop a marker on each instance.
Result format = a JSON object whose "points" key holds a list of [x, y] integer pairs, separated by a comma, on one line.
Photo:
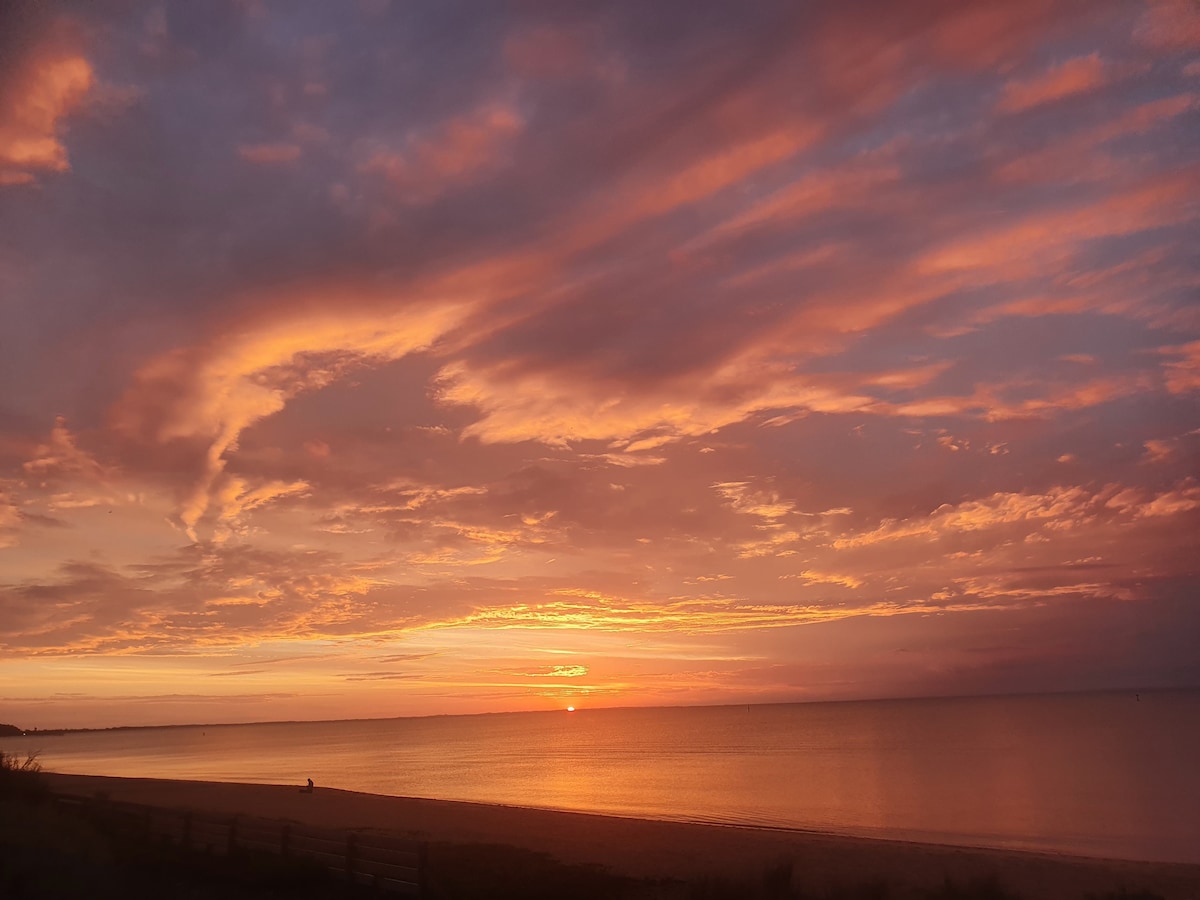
{"points": [[1057, 510], [32, 111], [1075, 76], [552, 672], [61, 476], [1182, 499], [1157, 451], [213, 392], [10, 520], [61, 456], [775, 537], [590, 610], [1004, 588], [473, 544], [810, 577], [555, 409], [1063, 506], [743, 497], [236, 497]]}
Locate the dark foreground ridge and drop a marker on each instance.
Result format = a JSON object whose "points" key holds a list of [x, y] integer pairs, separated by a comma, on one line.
{"points": [[54, 845]]}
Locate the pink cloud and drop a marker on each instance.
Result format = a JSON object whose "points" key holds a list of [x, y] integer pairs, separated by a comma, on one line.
{"points": [[1170, 25], [1016, 251], [696, 178], [1147, 115], [269, 154], [813, 193], [454, 151], [1085, 156], [548, 51], [1075, 76], [908, 378], [1182, 370], [995, 402], [982, 34]]}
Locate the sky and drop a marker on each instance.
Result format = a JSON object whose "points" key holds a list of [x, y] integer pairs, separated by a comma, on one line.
{"points": [[378, 359]]}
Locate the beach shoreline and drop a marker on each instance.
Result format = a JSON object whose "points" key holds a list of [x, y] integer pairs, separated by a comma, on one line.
{"points": [[654, 848]]}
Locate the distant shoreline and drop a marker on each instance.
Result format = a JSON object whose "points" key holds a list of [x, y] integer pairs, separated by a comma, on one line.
{"points": [[647, 848], [1151, 691]]}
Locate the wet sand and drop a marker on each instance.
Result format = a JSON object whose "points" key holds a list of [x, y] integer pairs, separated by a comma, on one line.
{"points": [[655, 849]]}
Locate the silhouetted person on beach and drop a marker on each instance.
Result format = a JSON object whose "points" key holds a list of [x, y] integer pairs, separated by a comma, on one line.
{"points": [[309, 789]]}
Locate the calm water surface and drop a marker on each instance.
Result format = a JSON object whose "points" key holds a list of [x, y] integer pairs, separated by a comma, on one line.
{"points": [[1098, 774]]}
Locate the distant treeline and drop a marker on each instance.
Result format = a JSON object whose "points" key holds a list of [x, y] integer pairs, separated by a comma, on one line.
{"points": [[10, 730]]}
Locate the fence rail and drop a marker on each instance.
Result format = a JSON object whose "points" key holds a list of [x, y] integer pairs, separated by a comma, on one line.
{"points": [[388, 863]]}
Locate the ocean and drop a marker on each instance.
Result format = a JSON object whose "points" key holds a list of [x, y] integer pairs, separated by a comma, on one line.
{"points": [[1100, 774]]}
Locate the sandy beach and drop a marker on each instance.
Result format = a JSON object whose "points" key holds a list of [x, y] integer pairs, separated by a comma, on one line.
{"points": [[644, 848]]}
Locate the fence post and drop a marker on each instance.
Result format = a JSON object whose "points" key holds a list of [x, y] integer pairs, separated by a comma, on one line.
{"points": [[350, 854]]}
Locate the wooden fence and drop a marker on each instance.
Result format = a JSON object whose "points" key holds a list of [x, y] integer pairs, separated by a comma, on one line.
{"points": [[388, 863]]}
